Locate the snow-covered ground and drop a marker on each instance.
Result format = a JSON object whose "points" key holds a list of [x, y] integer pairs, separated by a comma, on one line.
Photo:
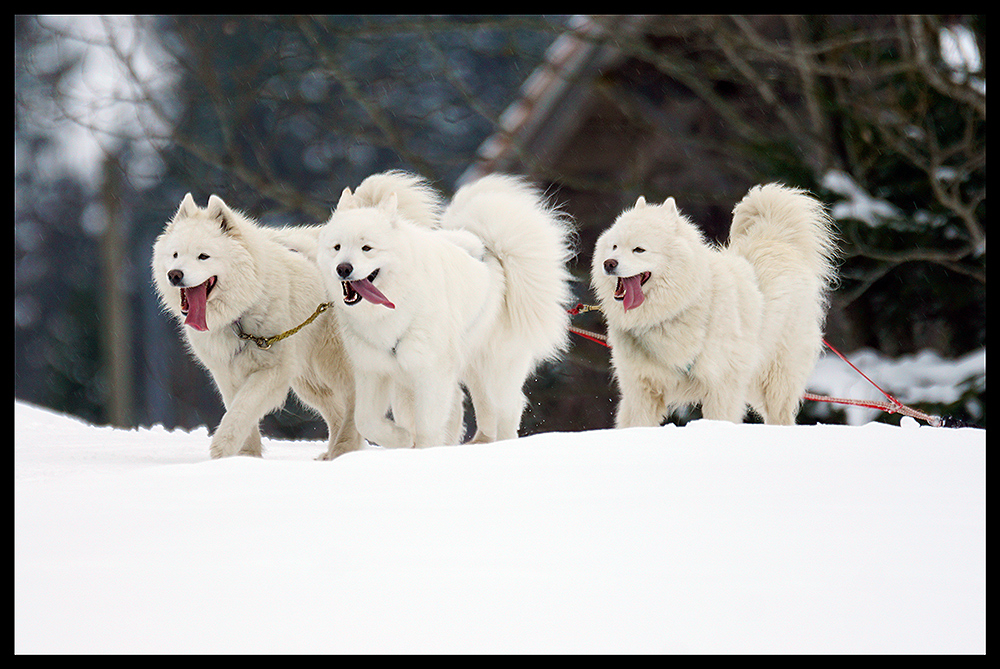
{"points": [[709, 538]]}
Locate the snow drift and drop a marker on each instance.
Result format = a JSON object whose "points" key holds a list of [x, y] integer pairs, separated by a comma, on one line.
{"points": [[711, 538]]}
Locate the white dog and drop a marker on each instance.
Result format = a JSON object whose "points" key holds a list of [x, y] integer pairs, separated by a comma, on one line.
{"points": [[724, 327], [221, 275], [478, 298]]}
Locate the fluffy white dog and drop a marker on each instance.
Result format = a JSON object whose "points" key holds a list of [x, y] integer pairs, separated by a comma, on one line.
{"points": [[723, 327], [221, 275], [425, 304]]}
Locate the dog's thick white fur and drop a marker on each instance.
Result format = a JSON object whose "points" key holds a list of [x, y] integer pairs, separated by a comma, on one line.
{"points": [[218, 272], [724, 327], [475, 297]]}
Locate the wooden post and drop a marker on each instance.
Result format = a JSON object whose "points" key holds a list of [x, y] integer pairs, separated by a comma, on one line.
{"points": [[115, 333]]}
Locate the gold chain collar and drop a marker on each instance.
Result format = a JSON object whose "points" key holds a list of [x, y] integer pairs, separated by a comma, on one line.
{"points": [[264, 343]]}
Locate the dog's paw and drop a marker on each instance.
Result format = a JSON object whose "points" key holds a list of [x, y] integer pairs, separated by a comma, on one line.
{"points": [[222, 447], [326, 456]]}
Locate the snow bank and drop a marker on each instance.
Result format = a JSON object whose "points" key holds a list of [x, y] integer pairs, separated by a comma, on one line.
{"points": [[711, 538]]}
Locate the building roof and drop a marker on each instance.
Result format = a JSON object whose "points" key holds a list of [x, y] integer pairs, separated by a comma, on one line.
{"points": [[548, 108]]}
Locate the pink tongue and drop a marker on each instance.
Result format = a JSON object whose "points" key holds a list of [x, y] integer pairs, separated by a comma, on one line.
{"points": [[197, 296], [371, 293], [633, 292]]}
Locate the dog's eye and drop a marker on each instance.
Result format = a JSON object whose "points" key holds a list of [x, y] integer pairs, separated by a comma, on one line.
{"points": [[638, 249], [336, 247], [366, 248], [202, 256], [175, 254], [614, 247]]}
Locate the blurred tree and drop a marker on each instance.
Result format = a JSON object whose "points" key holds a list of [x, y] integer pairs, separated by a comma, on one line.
{"points": [[286, 111], [56, 359]]}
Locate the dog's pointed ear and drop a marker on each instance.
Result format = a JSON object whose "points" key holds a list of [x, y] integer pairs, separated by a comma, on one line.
{"points": [[221, 212], [187, 208], [670, 206], [390, 206], [346, 200], [641, 202]]}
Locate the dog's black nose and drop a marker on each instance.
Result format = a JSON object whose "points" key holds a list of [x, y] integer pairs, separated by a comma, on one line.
{"points": [[610, 265], [344, 270], [175, 276]]}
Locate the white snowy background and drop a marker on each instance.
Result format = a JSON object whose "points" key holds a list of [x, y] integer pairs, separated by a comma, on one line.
{"points": [[708, 538]]}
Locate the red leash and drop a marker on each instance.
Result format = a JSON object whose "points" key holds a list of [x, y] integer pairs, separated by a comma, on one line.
{"points": [[890, 407], [592, 336]]}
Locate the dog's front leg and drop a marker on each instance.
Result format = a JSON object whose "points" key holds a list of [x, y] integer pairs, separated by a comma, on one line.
{"points": [[727, 402], [344, 435], [373, 397], [436, 399], [238, 431], [639, 408]]}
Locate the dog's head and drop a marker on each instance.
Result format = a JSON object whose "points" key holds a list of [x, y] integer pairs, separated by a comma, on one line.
{"points": [[199, 251], [355, 250], [647, 252]]}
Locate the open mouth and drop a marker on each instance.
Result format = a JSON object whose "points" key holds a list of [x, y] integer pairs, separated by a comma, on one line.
{"points": [[354, 291], [629, 290], [624, 283], [351, 295], [194, 301]]}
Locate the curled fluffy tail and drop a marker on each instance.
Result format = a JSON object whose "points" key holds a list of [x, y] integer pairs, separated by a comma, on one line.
{"points": [[532, 242], [416, 199], [785, 231]]}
